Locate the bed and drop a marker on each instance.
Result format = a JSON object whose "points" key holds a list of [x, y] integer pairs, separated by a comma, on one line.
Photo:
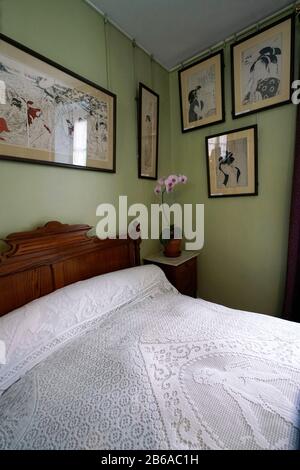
{"points": [[102, 353]]}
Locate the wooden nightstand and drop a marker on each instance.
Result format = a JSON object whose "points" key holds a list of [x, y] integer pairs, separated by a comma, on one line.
{"points": [[181, 271]]}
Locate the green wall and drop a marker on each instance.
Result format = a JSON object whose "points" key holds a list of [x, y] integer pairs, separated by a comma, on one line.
{"points": [[243, 262], [73, 34]]}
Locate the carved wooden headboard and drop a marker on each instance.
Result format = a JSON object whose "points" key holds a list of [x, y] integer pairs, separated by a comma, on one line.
{"points": [[53, 256]]}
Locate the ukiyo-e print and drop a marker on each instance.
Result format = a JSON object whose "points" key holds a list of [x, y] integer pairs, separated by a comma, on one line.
{"points": [[148, 132], [201, 92], [262, 69], [41, 113], [231, 163], [50, 116]]}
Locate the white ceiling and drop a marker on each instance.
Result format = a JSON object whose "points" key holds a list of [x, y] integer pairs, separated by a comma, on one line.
{"points": [[175, 30]]}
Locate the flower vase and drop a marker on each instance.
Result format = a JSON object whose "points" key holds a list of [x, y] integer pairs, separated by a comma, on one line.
{"points": [[173, 248]]}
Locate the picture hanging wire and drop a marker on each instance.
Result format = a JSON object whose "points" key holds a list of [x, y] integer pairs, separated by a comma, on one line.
{"points": [[135, 90], [119, 28], [224, 47], [106, 37], [134, 69], [152, 70], [257, 114], [238, 35]]}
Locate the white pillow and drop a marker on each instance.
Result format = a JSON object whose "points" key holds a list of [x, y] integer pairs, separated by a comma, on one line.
{"points": [[32, 332]]}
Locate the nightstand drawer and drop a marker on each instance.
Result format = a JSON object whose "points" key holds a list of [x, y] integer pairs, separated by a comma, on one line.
{"points": [[186, 278], [185, 268]]}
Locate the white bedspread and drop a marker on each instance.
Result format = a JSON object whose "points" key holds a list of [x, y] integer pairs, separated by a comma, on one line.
{"points": [[162, 372]]}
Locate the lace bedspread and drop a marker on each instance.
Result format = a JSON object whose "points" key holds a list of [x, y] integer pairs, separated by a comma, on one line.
{"points": [[165, 372]]}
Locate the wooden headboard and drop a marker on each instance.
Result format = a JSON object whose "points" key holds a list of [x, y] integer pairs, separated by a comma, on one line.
{"points": [[53, 256]]}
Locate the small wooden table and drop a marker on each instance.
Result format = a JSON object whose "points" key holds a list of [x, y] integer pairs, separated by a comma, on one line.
{"points": [[181, 271]]}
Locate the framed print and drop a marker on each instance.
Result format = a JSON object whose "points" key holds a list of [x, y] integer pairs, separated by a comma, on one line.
{"points": [[201, 87], [148, 132], [52, 116], [232, 163], [262, 69]]}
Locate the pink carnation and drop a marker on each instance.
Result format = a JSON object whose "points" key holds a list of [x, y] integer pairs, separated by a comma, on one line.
{"points": [[157, 189]]}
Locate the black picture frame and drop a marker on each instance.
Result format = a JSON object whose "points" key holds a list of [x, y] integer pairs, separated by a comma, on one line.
{"points": [[72, 75], [237, 115], [221, 102], [243, 130], [145, 96]]}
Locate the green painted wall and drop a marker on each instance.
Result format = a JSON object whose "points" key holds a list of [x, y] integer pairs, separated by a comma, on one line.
{"points": [[243, 263], [73, 34]]}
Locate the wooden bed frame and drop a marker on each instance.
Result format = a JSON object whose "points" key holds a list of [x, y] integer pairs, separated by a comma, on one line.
{"points": [[53, 256]]}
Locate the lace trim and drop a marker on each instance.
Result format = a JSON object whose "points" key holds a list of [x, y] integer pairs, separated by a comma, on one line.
{"points": [[161, 286]]}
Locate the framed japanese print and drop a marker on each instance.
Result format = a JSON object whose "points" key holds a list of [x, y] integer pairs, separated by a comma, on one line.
{"points": [[201, 87], [52, 116], [148, 132], [262, 69], [232, 163]]}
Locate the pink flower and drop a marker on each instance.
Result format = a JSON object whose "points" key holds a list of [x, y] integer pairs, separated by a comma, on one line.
{"points": [[173, 179], [168, 184], [182, 179], [169, 187]]}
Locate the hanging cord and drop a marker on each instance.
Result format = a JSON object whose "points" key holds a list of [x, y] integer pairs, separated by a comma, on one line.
{"points": [[152, 70], [135, 93], [243, 33], [134, 68], [106, 35]]}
